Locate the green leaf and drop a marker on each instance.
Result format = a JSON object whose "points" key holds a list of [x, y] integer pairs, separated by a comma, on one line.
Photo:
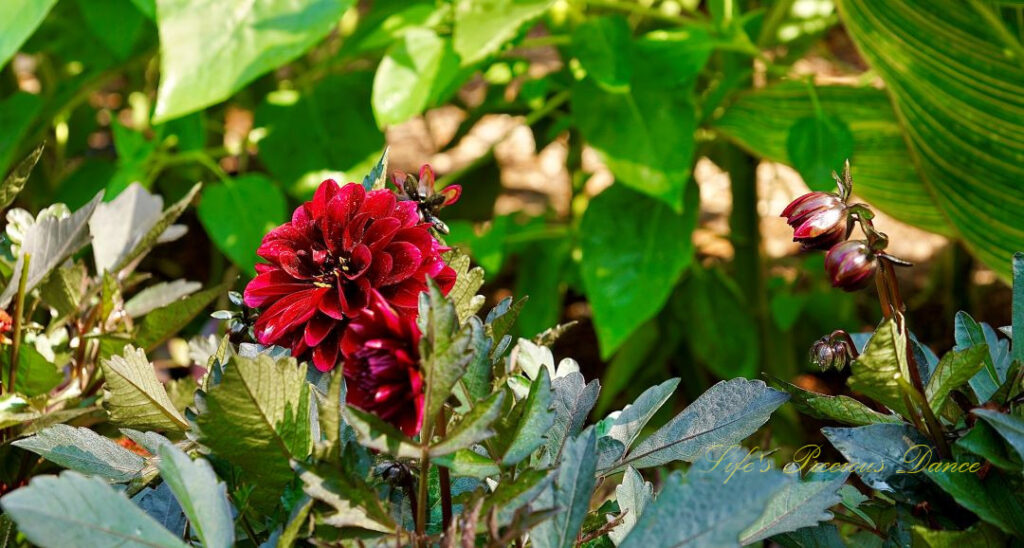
{"points": [[237, 213], [21, 17], [524, 430], [85, 451], [881, 367], [629, 268], [983, 440], [572, 489], [726, 414], [954, 370], [134, 397], [883, 170], [509, 496], [160, 324], [657, 157], [993, 499], [817, 146], [672, 58], [49, 242], [969, 333], [64, 289], [114, 23], [161, 505], [483, 27], [980, 535], [16, 180], [717, 322], [309, 133], [468, 463], [573, 398], [838, 408], [473, 428], [73, 510], [602, 45], [352, 505], [159, 296], [468, 282], [376, 179], [157, 232], [258, 419], [36, 375], [626, 427], [957, 94], [824, 536], [209, 52], [880, 449], [706, 509], [1018, 303], [134, 156], [633, 496], [1010, 427], [202, 496], [379, 435], [801, 504], [632, 357], [418, 71]]}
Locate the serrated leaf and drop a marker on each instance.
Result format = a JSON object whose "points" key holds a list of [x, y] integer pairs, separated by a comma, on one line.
{"points": [[16, 180], [159, 296], [446, 348], [572, 400], [526, 431], [631, 420], [258, 419], [724, 415], [633, 495], [571, 492], [1010, 427], [473, 428], [800, 504], [482, 28], [467, 283], [63, 289], [118, 226], [879, 450], [954, 370], [968, 333], [838, 408], [468, 463], [85, 451], [156, 231], [73, 510], [49, 242], [377, 434], [202, 496], [881, 367], [134, 396], [376, 179], [509, 496], [160, 324], [351, 505]]}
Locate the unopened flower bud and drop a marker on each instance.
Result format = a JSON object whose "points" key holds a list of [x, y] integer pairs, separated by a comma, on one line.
{"points": [[850, 265], [831, 352], [818, 220]]}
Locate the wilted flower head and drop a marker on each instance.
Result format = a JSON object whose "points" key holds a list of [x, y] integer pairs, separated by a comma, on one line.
{"points": [[832, 352], [818, 220], [421, 191], [338, 252], [850, 265], [382, 365]]}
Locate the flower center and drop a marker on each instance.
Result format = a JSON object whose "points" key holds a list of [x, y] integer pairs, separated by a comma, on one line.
{"points": [[332, 268]]}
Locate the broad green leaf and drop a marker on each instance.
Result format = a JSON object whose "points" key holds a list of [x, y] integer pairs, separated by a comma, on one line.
{"points": [[16, 180], [958, 96], [630, 268], [483, 27], [85, 451], [880, 450], [36, 375], [64, 289], [238, 212], [161, 230], [883, 169], [134, 397], [119, 226], [996, 363], [657, 157], [160, 324], [74, 510], [379, 435], [509, 496], [473, 428], [631, 420], [524, 430], [417, 72], [351, 505], [993, 499], [21, 17], [258, 419], [542, 267], [146, 7], [202, 496], [468, 463], [983, 440], [116, 24], [716, 320], [838, 408], [310, 133], [573, 398], [881, 367], [672, 58], [980, 535], [706, 509], [603, 46], [159, 296], [800, 504], [212, 49], [632, 358], [49, 242], [954, 370], [135, 152], [571, 491], [726, 414], [817, 146], [1010, 427], [633, 495]]}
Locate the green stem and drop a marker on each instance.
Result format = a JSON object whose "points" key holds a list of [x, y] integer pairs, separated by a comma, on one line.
{"points": [[19, 308], [421, 496], [636, 9], [776, 15], [544, 41], [444, 477]]}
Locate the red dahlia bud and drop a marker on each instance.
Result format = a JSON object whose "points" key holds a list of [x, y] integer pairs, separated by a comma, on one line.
{"points": [[818, 220], [850, 265]]}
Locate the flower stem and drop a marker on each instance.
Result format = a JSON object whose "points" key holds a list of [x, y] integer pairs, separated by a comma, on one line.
{"points": [[19, 309], [444, 477]]}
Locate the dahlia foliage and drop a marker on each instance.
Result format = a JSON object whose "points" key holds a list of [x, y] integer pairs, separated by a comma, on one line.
{"points": [[341, 285]]}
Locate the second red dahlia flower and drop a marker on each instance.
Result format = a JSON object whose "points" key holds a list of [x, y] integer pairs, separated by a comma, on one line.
{"points": [[339, 251]]}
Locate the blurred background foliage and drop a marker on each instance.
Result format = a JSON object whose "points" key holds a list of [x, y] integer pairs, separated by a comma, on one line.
{"points": [[623, 162]]}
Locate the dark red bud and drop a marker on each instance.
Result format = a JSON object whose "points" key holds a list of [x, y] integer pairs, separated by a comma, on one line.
{"points": [[850, 265], [818, 220]]}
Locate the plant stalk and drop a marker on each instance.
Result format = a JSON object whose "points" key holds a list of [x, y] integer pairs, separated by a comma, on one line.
{"points": [[444, 477], [19, 309]]}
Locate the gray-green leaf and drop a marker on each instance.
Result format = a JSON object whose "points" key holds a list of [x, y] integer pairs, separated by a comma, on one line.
{"points": [[85, 451], [202, 496], [134, 396], [574, 484]]}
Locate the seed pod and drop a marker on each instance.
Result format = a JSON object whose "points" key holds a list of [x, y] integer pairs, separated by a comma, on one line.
{"points": [[850, 265], [818, 220]]}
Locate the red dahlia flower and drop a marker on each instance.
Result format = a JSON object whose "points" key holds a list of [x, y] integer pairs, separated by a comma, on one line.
{"points": [[340, 250], [382, 371]]}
